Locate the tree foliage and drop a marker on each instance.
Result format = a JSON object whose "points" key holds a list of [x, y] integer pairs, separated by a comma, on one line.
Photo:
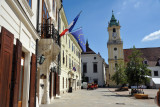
{"points": [[136, 70], [119, 76]]}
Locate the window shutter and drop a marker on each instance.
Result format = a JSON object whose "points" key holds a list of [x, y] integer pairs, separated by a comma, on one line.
{"points": [[17, 69], [6, 53], [32, 97]]}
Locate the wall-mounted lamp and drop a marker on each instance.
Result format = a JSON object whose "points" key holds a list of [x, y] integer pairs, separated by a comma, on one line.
{"points": [[41, 59], [42, 85]]}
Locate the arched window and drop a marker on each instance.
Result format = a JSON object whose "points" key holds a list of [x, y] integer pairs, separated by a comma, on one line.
{"points": [[114, 30]]}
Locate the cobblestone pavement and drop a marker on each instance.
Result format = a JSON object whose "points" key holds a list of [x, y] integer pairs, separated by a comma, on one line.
{"points": [[102, 97]]}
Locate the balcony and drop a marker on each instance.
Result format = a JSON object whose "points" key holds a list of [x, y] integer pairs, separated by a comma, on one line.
{"points": [[48, 31], [48, 45]]}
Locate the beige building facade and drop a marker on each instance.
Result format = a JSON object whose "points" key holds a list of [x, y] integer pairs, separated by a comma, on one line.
{"points": [[70, 58]]}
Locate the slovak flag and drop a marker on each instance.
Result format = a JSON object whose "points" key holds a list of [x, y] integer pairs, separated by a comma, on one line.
{"points": [[70, 27]]}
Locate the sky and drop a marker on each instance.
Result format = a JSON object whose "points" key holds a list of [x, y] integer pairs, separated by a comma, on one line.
{"points": [[139, 21]]}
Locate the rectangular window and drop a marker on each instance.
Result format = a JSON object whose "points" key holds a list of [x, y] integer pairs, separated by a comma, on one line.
{"points": [[72, 47], [63, 57], [155, 73], [66, 82], [30, 3], [84, 67], [95, 67], [70, 63], [66, 60], [63, 82], [145, 62], [45, 21], [59, 23], [53, 5]]}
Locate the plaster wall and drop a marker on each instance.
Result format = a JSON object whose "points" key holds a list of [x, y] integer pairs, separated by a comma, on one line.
{"points": [[89, 59], [18, 18]]}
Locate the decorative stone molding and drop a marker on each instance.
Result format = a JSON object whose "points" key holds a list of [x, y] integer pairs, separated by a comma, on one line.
{"points": [[50, 50]]}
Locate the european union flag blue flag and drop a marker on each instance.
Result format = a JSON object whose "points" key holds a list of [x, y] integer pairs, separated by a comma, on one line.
{"points": [[78, 35]]}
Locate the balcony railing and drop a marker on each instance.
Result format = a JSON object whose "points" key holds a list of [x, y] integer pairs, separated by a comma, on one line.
{"points": [[48, 31]]}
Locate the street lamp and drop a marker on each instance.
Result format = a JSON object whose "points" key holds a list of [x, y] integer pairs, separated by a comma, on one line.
{"points": [[41, 59]]}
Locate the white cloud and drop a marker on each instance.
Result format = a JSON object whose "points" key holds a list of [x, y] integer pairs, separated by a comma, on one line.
{"points": [[153, 36], [136, 5]]}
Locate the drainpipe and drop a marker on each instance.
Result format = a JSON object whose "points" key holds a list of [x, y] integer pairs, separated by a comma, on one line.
{"points": [[38, 3]]}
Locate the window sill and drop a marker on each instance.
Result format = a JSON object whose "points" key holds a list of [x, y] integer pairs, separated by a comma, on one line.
{"points": [[28, 8]]}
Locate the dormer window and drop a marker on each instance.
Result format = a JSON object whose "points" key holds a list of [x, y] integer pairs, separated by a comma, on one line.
{"points": [[114, 30]]}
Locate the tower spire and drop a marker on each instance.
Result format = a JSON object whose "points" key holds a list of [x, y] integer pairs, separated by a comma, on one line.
{"points": [[113, 20]]}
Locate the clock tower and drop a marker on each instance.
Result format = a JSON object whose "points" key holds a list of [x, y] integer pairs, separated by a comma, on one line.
{"points": [[115, 48]]}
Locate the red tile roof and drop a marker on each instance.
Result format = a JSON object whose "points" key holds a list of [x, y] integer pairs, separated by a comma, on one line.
{"points": [[149, 54]]}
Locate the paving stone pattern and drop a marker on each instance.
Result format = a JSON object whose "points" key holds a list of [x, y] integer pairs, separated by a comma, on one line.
{"points": [[101, 97]]}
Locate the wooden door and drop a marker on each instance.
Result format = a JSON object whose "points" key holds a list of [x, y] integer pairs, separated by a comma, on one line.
{"points": [[69, 83], [17, 69], [32, 97], [54, 89], [6, 53], [57, 84], [50, 86]]}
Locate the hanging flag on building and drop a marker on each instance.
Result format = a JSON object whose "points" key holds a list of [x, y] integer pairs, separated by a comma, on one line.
{"points": [[70, 27], [74, 68], [78, 35]]}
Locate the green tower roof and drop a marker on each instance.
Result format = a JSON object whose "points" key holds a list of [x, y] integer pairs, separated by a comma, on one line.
{"points": [[113, 21]]}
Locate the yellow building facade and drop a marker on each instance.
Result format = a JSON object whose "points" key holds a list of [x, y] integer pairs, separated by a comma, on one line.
{"points": [[115, 48]]}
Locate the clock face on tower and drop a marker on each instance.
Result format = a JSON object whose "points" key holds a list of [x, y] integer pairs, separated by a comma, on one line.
{"points": [[114, 34]]}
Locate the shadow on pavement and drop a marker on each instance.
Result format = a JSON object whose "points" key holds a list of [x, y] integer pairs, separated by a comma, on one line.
{"points": [[119, 95], [103, 91]]}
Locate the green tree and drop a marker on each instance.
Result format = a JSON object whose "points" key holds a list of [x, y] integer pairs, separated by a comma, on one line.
{"points": [[119, 76], [136, 70]]}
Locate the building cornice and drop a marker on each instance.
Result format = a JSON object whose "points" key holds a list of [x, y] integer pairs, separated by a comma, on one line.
{"points": [[18, 9]]}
